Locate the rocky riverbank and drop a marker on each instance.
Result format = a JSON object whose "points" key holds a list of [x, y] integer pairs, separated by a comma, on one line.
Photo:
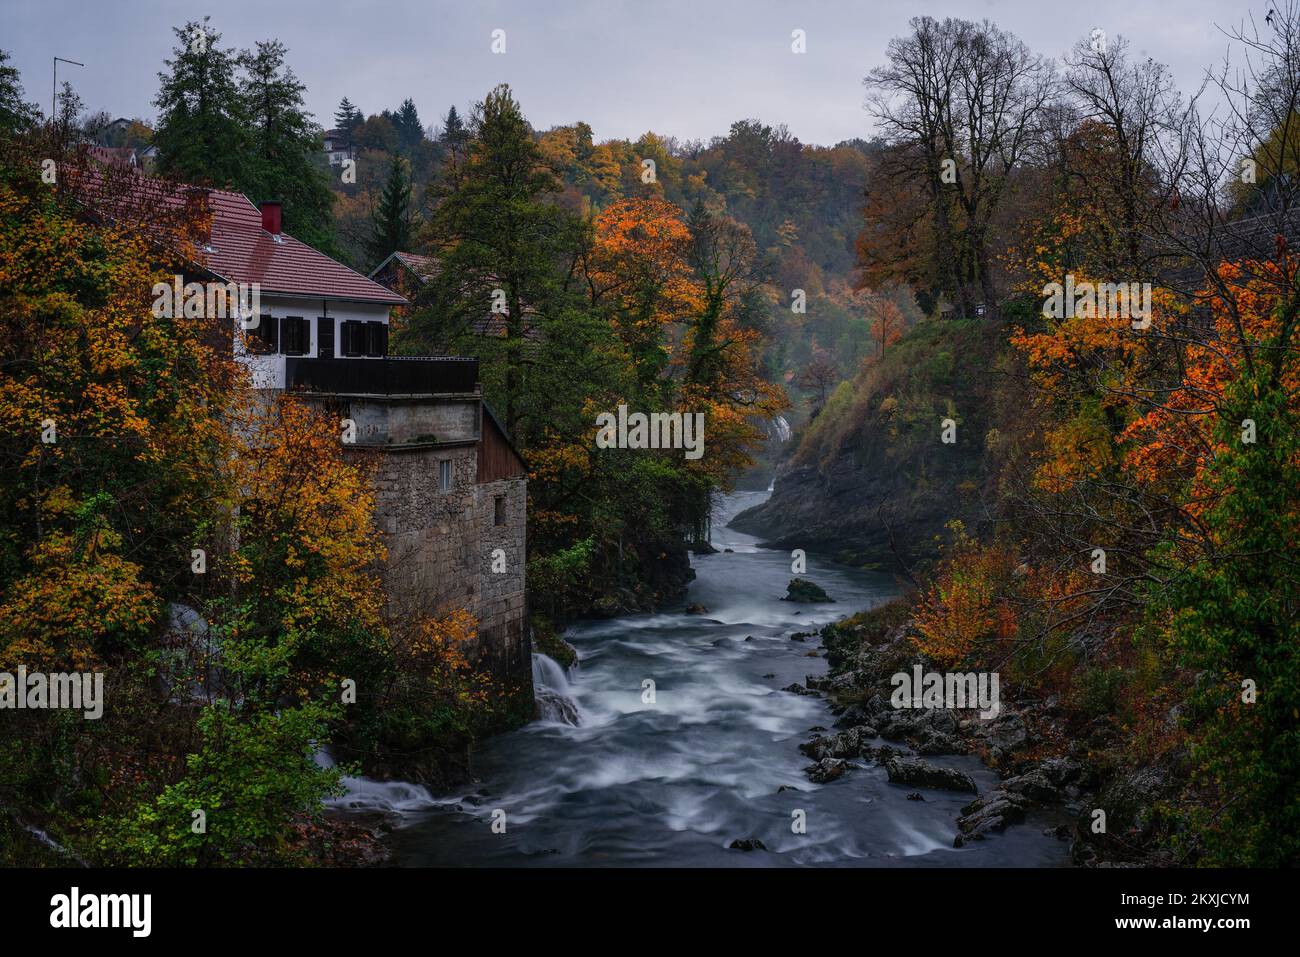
{"points": [[1053, 773]]}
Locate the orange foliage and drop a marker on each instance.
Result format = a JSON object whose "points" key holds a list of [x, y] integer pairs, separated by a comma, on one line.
{"points": [[962, 611]]}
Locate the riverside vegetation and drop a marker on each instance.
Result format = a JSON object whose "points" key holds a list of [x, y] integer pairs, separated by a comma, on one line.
{"points": [[1115, 528]]}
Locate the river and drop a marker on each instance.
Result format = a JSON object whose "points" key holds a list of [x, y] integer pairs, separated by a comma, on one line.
{"points": [[713, 758]]}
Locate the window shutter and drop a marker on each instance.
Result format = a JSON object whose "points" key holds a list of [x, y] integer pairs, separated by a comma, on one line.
{"points": [[374, 343], [296, 335], [325, 337], [261, 337]]}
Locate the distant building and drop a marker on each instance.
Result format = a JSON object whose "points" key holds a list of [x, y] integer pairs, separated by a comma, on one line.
{"points": [[115, 132], [338, 147], [127, 143], [406, 273], [115, 156]]}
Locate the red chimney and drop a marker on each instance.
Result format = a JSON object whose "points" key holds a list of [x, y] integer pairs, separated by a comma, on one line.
{"points": [[271, 217]]}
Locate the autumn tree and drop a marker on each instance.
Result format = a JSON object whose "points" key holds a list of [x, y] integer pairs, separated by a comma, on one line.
{"points": [[961, 101], [886, 322], [819, 376], [637, 268]]}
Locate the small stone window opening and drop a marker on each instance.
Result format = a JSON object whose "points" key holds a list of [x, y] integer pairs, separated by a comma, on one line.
{"points": [[444, 475], [499, 510]]}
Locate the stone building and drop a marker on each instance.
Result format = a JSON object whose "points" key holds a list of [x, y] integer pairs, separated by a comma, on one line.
{"points": [[451, 494], [451, 502]]}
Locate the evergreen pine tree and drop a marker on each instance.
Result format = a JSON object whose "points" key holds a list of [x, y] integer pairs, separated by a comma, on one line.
{"points": [[392, 220], [285, 149], [347, 117], [455, 136], [501, 232], [201, 135], [407, 122]]}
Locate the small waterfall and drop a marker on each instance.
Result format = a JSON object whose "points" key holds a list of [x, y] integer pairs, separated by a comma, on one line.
{"points": [[782, 428], [365, 794], [48, 841], [551, 692]]}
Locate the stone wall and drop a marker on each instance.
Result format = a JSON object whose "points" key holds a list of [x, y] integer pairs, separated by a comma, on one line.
{"points": [[440, 543], [503, 615]]}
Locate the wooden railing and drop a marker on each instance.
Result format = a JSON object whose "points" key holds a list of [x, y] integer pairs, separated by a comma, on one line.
{"points": [[393, 375]]}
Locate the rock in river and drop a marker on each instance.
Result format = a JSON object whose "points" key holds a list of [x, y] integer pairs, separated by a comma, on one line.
{"points": [[802, 590], [920, 773]]}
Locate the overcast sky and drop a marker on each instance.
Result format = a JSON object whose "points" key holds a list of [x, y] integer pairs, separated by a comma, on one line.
{"points": [[686, 68]]}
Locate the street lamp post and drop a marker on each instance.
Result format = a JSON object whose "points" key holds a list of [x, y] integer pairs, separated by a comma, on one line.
{"points": [[54, 94]]}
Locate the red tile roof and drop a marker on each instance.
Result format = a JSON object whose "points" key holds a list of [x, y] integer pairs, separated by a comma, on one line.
{"points": [[245, 252], [423, 266], [239, 250]]}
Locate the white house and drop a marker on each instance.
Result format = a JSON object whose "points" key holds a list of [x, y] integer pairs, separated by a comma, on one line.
{"points": [[338, 147]]}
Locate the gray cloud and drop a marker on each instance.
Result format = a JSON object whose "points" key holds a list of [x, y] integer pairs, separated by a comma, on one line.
{"points": [[688, 68]]}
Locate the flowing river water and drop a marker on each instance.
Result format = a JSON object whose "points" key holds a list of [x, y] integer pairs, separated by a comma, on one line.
{"points": [[714, 758]]}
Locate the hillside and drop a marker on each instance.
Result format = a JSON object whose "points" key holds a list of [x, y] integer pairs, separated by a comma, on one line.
{"points": [[871, 480]]}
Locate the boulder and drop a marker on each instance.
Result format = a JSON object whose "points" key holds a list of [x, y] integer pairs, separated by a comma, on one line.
{"points": [[920, 773], [827, 770], [803, 590], [846, 744], [987, 815]]}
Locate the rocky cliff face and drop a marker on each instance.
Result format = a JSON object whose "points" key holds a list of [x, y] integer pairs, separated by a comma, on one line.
{"points": [[873, 482], [871, 515]]}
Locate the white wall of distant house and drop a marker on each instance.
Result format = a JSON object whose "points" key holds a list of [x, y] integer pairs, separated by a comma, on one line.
{"points": [[268, 370]]}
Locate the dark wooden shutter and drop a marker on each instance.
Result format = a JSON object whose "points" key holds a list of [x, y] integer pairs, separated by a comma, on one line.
{"points": [[374, 339], [296, 335], [325, 337], [261, 339]]}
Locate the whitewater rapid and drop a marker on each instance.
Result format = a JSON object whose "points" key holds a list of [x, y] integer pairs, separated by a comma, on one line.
{"points": [[672, 738]]}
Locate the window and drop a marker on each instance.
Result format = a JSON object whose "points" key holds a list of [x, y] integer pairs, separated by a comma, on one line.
{"points": [[376, 339], [444, 475], [499, 510], [325, 337], [295, 336], [262, 338], [353, 336]]}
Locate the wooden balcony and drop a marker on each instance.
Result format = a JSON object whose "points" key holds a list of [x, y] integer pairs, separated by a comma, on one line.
{"points": [[389, 376]]}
